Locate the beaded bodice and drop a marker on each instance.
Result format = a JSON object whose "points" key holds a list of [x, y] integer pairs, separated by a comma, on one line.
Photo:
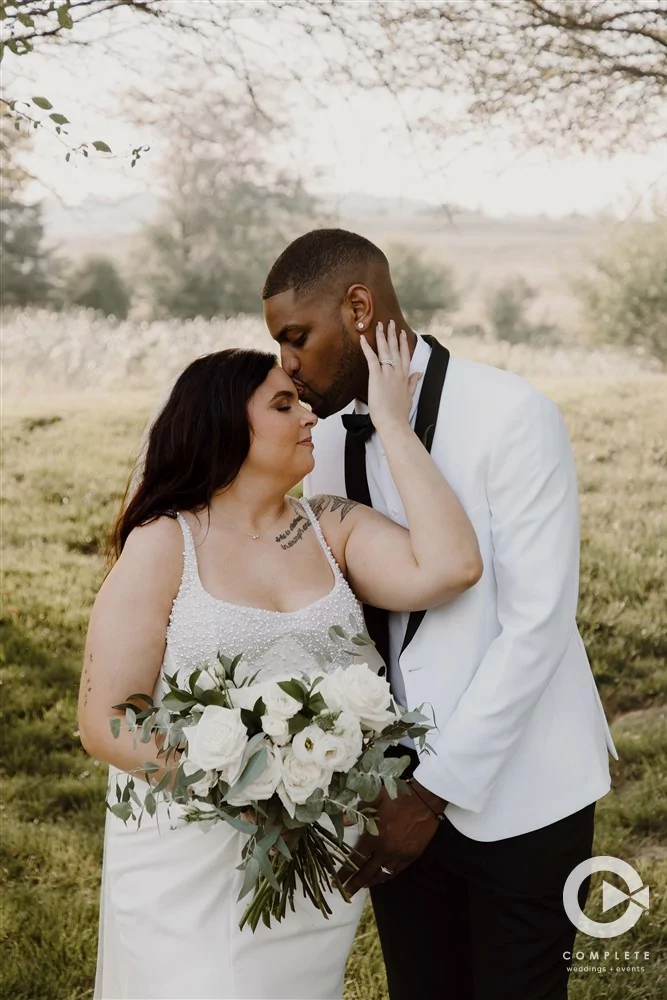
{"points": [[201, 625]]}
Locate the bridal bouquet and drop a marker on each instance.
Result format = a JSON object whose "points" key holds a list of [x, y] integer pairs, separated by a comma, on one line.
{"points": [[287, 760]]}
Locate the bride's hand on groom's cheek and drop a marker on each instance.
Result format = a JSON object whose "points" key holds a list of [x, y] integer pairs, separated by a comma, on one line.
{"points": [[407, 826]]}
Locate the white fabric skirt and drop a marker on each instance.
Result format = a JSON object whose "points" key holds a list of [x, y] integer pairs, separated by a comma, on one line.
{"points": [[169, 920]]}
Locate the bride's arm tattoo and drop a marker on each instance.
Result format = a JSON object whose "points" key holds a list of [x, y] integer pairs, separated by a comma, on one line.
{"points": [[300, 524], [321, 503]]}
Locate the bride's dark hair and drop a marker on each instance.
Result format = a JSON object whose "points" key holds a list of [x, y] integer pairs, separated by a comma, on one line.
{"points": [[199, 440]]}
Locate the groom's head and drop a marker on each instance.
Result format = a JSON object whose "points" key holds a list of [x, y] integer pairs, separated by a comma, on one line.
{"points": [[324, 291]]}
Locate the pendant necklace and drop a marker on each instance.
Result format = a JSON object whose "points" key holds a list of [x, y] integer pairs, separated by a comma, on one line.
{"points": [[254, 537]]}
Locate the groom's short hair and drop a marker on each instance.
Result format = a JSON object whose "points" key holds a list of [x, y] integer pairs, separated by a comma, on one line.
{"points": [[331, 257]]}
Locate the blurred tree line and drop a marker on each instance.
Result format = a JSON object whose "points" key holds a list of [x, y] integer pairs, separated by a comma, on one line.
{"points": [[227, 211]]}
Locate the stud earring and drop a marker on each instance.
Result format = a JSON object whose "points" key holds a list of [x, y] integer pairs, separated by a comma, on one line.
{"points": [[360, 326]]}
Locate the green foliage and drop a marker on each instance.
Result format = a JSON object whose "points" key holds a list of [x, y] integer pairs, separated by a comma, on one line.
{"points": [[25, 262], [97, 284], [64, 471], [424, 287], [216, 240], [27, 266], [507, 310], [624, 295]]}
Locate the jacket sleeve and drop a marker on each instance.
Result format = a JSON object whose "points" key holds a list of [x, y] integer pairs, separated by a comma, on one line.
{"points": [[532, 495]]}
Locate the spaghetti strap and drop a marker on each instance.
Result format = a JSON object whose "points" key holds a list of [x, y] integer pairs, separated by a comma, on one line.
{"points": [[190, 568], [320, 536]]}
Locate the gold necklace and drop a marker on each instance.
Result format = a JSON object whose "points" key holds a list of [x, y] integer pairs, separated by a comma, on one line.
{"points": [[254, 537]]}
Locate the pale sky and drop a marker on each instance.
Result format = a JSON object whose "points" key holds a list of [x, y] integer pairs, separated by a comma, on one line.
{"points": [[353, 144]]}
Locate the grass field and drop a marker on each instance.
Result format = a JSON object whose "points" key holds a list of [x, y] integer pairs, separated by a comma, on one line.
{"points": [[66, 460]]}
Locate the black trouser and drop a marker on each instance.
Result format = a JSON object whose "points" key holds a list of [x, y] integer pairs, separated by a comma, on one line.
{"points": [[472, 920]]}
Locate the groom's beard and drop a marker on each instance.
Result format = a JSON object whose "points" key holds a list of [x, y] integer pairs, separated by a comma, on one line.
{"points": [[342, 388]]}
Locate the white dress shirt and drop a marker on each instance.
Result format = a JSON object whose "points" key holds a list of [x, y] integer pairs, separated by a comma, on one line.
{"points": [[386, 499]]}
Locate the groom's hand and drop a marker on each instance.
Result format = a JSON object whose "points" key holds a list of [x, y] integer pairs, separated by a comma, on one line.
{"points": [[407, 826]]}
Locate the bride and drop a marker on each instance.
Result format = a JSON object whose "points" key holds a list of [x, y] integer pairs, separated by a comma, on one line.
{"points": [[212, 555]]}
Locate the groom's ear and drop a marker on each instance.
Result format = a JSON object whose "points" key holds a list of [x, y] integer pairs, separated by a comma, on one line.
{"points": [[358, 310]]}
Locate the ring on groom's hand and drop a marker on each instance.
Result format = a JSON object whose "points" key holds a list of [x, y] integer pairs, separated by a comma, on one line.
{"points": [[386, 871]]}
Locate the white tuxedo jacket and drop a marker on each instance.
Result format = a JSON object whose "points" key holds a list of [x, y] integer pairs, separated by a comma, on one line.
{"points": [[522, 737]]}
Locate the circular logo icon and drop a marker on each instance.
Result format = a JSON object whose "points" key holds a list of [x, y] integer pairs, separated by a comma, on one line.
{"points": [[637, 898]]}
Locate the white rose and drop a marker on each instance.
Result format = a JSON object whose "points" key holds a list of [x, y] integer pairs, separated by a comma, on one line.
{"points": [[331, 752], [264, 785], [218, 741], [304, 743], [276, 727], [348, 729], [205, 784], [359, 690], [278, 702], [299, 780], [246, 697]]}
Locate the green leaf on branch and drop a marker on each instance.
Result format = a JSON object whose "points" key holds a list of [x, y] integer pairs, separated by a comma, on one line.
{"points": [[123, 810], [114, 726], [42, 102], [64, 16], [101, 147], [149, 802]]}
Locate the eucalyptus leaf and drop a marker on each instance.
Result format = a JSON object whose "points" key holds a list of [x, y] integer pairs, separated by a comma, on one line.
{"points": [[114, 725], [250, 877], [141, 697], [123, 810], [42, 102], [150, 804], [162, 784], [146, 730], [339, 825], [372, 826], [252, 770], [239, 824], [265, 867]]}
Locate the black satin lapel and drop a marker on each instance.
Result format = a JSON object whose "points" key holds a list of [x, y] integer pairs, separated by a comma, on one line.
{"points": [[425, 424], [356, 487]]}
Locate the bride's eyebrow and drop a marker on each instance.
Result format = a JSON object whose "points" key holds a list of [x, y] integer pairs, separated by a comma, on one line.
{"points": [[283, 394]]}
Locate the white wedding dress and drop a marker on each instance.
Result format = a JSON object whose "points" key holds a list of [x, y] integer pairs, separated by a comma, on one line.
{"points": [[169, 912]]}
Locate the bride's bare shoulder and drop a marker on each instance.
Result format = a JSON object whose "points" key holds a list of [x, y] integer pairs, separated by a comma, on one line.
{"points": [[157, 544]]}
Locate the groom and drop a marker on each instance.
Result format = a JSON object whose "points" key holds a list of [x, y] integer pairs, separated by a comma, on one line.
{"points": [[468, 871]]}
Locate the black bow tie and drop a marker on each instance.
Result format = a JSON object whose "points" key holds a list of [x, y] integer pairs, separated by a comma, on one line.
{"points": [[359, 426]]}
